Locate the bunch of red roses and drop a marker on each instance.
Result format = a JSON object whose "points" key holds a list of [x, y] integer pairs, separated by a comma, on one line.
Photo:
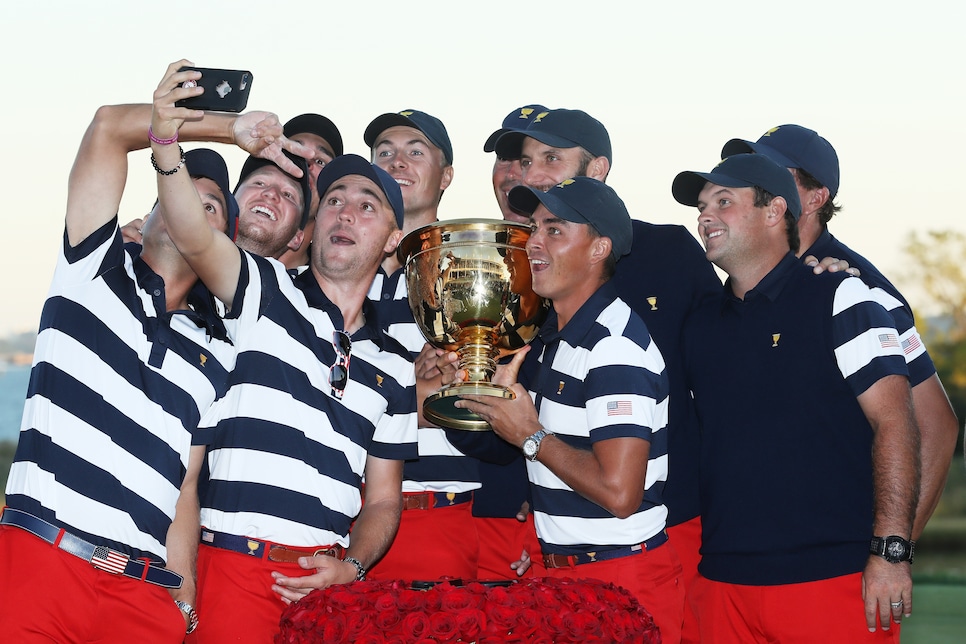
{"points": [[533, 610]]}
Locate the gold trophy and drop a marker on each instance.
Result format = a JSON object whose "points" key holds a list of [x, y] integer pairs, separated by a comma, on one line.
{"points": [[470, 292]]}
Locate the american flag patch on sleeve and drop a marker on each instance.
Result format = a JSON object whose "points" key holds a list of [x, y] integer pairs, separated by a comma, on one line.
{"points": [[910, 344], [619, 408], [109, 560], [887, 340]]}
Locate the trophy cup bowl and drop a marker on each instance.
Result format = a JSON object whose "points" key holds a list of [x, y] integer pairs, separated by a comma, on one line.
{"points": [[469, 291]]}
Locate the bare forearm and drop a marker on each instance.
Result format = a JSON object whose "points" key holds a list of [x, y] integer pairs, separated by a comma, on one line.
{"points": [[896, 468], [939, 430], [374, 530]]}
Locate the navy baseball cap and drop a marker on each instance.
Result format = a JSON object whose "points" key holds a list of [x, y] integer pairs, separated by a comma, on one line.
{"points": [[349, 164], [203, 162], [561, 129], [582, 200], [431, 126], [794, 146], [740, 171], [318, 125], [253, 163], [518, 119]]}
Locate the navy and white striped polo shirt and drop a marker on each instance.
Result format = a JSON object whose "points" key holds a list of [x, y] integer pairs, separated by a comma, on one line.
{"points": [[921, 367], [600, 377], [786, 450], [286, 457], [441, 467], [116, 391]]}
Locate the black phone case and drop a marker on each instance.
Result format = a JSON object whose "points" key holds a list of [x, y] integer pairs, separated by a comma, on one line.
{"points": [[226, 90]]}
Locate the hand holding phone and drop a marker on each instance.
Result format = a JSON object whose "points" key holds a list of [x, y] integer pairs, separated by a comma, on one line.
{"points": [[226, 90]]}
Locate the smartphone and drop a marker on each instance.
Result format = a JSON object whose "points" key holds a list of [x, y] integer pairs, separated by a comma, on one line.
{"points": [[226, 90]]}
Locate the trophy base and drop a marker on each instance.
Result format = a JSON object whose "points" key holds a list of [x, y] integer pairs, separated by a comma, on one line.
{"points": [[439, 408]]}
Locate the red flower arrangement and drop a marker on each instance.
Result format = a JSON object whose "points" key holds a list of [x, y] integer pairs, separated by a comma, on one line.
{"points": [[534, 610]]}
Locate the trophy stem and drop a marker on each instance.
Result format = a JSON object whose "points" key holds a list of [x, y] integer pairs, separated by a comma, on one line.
{"points": [[477, 360]]}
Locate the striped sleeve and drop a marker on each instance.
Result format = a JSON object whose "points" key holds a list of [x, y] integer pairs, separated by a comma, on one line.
{"points": [[867, 345]]}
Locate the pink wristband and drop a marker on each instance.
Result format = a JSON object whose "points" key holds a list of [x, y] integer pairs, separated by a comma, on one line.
{"points": [[155, 139]]}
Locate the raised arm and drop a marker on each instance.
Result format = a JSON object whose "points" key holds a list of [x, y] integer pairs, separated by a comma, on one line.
{"points": [[213, 257]]}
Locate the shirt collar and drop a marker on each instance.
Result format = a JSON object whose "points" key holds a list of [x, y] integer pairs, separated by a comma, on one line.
{"points": [[582, 321]]}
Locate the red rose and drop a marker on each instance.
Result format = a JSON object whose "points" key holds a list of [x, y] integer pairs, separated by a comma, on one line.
{"points": [[528, 622], [500, 619], [443, 627], [333, 628], [345, 600], [409, 600], [459, 599], [416, 625], [470, 622], [387, 619], [581, 625]]}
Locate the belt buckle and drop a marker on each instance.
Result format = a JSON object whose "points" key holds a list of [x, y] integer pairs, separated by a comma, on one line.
{"points": [[323, 551], [112, 561]]}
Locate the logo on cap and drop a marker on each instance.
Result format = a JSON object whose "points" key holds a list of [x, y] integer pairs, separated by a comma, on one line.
{"points": [[540, 117], [565, 182], [406, 114], [525, 112], [771, 131]]}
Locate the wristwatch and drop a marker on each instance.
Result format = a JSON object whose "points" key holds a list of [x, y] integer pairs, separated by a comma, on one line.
{"points": [[360, 569], [893, 549], [531, 446], [188, 610]]}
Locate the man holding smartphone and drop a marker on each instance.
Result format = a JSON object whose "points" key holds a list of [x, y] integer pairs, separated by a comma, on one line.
{"points": [[319, 400]]}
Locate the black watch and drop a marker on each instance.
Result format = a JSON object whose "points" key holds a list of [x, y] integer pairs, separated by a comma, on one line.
{"points": [[893, 549]]}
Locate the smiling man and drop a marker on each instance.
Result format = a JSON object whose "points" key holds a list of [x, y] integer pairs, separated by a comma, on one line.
{"points": [[593, 424], [273, 206], [319, 400], [809, 448], [415, 149]]}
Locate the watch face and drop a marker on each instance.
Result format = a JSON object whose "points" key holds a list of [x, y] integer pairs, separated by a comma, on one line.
{"points": [[896, 549], [529, 447]]}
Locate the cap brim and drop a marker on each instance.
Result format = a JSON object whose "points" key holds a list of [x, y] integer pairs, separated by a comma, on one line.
{"points": [[688, 185], [490, 144], [382, 123], [526, 200]]}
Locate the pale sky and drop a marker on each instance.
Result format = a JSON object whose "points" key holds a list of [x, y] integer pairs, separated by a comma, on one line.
{"points": [[882, 81]]}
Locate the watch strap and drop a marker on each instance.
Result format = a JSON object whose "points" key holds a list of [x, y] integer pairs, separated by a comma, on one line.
{"points": [[190, 612]]}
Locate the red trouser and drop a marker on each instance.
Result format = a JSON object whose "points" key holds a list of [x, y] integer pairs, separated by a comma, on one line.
{"points": [[686, 538], [49, 595], [235, 598], [654, 577], [502, 541], [432, 544], [830, 611]]}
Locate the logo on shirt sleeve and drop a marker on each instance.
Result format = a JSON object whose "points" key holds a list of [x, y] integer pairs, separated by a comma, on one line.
{"points": [[619, 408]]}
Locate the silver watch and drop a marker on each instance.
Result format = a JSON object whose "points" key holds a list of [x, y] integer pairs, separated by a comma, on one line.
{"points": [[531, 446], [188, 610]]}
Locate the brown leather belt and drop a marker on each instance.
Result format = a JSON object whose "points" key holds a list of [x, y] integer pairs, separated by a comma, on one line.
{"points": [[430, 500], [266, 549]]}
